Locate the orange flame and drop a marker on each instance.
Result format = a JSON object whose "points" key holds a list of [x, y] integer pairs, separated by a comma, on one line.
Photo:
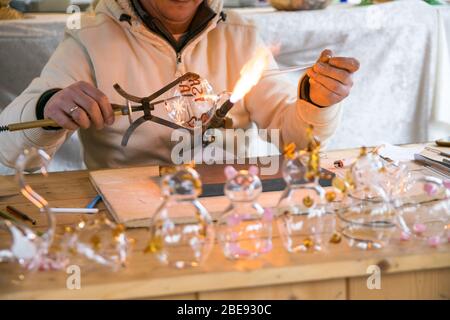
{"points": [[250, 74]]}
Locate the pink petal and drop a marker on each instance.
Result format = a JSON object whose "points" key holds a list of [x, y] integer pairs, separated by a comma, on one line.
{"points": [[430, 188], [447, 184], [253, 170], [234, 236], [230, 172], [434, 241], [419, 228], [405, 236], [233, 220], [235, 249], [268, 215]]}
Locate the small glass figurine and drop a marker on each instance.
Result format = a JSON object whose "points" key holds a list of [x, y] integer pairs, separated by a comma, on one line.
{"points": [[31, 249], [367, 217], [428, 222], [245, 228], [302, 217], [364, 177], [182, 231], [99, 240]]}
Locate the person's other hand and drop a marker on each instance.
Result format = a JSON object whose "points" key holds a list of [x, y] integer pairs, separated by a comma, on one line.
{"points": [[80, 105], [331, 79]]}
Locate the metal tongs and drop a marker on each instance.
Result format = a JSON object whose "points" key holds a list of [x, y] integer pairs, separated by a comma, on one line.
{"points": [[146, 105]]}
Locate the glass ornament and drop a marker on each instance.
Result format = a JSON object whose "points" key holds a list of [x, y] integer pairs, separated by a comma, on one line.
{"points": [[192, 101], [375, 180], [182, 231], [100, 240], [363, 177], [302, 217], [245, 228], [31, 249], [373, 191], [366, 224], [396, 181], [427, 218]]}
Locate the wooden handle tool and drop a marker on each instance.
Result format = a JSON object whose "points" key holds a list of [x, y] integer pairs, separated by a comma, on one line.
{"points": [[118, 111]]}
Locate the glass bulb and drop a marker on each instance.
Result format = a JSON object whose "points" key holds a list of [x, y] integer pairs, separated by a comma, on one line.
{"points": [[182, 231], [100, 240], [427, 217], [302, 218], [191, 101], [245, 228]]}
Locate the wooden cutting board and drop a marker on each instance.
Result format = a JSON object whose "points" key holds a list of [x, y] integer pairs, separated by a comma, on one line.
{"points": [[132, 195]]}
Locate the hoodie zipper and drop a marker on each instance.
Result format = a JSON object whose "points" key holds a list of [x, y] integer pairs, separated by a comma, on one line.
{"points": [[179, 53], [206, 29], [178, 62]]}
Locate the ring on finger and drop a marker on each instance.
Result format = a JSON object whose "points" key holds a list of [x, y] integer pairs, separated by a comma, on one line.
{"points": [[73, 109]]}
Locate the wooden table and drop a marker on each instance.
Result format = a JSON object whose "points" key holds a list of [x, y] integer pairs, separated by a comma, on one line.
{"points": [[409, 270]]}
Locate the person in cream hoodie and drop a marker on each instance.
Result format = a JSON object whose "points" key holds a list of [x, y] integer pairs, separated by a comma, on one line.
{"points": [[145, 44]]}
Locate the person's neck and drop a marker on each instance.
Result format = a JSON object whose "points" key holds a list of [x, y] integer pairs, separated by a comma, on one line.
{"points": [[174, 27]]}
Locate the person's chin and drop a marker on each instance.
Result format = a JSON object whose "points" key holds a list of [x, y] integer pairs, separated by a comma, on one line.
{"points": [[179, 10]]}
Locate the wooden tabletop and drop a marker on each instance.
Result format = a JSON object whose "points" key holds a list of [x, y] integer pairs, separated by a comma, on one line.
{"points": [[145, 278]]}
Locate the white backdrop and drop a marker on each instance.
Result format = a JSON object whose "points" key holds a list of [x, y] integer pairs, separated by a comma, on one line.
{"points": [[401, 93], [400, 51]]}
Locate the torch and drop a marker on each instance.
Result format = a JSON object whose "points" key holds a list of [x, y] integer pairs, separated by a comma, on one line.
{"points": [[251, 73], [118, 110]]}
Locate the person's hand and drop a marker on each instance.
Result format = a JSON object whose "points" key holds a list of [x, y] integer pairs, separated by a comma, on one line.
{"points": [[331, 79], [80, 106]]}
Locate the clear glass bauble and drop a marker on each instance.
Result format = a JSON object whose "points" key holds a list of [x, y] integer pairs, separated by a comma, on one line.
{"points": [[191, 101], [426, 217], [245, 228], [302, 218], [182, 231], [367, 216], [100, 240], [364, 174], [366, 224]]}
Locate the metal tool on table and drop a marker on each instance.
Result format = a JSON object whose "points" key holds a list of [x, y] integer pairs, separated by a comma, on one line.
{"points": [[20, 214]]}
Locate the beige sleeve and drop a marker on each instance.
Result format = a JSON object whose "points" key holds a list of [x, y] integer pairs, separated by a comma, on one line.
{"points": [[68, 64], [274, 104]]}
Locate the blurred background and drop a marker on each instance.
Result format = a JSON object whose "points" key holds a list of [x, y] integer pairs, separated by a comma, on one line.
{"points": [[401, 94]]}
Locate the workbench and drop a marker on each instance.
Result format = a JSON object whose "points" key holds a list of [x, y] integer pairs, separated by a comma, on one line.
{"points": [[409, 270]]}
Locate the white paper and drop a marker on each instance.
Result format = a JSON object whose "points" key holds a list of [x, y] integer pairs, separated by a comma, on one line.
{"points": [[396, 153]]}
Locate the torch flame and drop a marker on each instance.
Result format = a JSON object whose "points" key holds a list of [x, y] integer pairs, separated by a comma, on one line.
{"points": [[250, 74]]}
